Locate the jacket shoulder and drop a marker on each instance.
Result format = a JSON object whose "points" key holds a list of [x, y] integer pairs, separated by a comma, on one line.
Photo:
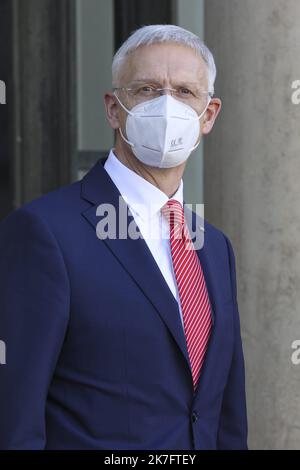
{"points": [[219, 242], [56, 199], [55, 205]]}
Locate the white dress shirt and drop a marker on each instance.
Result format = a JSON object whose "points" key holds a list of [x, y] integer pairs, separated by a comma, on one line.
{"points": [[145, 202]]}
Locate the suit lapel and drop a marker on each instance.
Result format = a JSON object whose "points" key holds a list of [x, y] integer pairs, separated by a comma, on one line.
{"points": [[133, 254], [197, 225]]}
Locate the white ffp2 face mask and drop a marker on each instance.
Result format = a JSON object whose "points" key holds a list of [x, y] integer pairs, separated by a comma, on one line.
{"points": [[162, 132]]}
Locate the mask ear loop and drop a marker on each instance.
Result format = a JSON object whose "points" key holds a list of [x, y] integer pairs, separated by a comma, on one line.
{"points": [[119, 129], [123, 105], [198, 118], [124, 138]]}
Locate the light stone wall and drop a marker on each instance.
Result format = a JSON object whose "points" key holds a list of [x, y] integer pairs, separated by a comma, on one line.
{"points": [[252, 192]]}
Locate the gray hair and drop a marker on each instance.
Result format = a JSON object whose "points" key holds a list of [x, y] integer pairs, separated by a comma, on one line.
{"points": [[155, 34]]}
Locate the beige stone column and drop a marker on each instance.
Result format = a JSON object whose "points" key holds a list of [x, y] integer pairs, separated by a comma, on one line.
{"points": [[252, 192]]}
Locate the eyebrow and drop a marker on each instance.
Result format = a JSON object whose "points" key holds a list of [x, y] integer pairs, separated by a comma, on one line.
{"points": [[154, 80]]}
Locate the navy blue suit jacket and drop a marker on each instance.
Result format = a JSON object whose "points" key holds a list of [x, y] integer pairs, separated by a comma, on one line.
{"points": [[96, 353]]}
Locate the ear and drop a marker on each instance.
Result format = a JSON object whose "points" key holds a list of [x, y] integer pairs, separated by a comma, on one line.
{"points": [[112, 110], [210, 116]]}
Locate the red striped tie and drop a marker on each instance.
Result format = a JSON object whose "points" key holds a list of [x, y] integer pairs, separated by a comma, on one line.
{"points": [[191, 285]]}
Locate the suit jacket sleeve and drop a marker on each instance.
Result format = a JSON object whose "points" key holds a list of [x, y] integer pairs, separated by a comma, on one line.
{"points": [[34, 309], [232, 432]]}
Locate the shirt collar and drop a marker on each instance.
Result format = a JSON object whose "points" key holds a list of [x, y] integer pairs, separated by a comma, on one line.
{"points": [[143, 197]]}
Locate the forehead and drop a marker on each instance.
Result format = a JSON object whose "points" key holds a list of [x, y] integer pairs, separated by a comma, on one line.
{"points": [[167, 62]]}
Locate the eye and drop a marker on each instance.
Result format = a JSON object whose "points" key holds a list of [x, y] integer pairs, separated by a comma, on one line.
{"points": [[184, 91], [146, 89]]}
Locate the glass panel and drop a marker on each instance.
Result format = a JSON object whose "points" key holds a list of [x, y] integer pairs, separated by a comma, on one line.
{"points": [[94, 53]]}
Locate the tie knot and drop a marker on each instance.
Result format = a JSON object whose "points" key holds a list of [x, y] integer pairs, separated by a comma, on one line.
{"points": [[173, 211]]}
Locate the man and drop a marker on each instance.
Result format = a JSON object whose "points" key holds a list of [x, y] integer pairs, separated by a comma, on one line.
{"points": [[126, 341]]}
